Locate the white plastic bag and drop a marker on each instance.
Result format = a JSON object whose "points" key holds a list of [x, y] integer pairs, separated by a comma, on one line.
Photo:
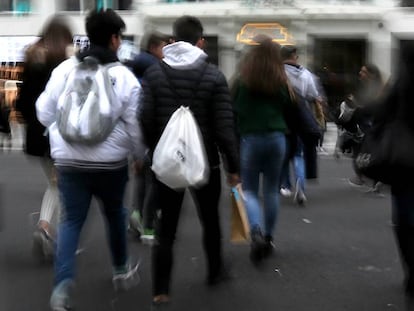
{"points": [[179, 159]]}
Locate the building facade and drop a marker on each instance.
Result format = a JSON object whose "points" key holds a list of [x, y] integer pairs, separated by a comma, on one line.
{"points": [[333, 35]]}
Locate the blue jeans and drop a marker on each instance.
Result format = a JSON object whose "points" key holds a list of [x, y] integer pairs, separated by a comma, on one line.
{"points": [[76, 189], [299, 169], [262, 154]]}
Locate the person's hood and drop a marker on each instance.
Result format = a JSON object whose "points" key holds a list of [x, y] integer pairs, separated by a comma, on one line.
{"points": [[104, 55], [182, 54], [294, 70]]}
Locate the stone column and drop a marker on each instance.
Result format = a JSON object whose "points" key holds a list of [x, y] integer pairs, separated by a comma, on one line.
{"points": [[227, 31]]}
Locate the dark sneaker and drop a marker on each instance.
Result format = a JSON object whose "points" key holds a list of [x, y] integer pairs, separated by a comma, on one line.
{"points": [[222, 276], [43, 245], [269, 246], [124, 279], [61, 296], [257, 246]]}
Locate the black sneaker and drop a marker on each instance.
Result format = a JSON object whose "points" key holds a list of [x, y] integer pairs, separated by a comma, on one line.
{"points": [[224, 275], [257, 246]]}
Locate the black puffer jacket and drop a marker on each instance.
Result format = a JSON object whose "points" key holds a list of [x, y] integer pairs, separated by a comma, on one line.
{"points": [[211, 106]]}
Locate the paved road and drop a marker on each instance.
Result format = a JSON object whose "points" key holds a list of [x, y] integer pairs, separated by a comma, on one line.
{"points": [[336, 254]]}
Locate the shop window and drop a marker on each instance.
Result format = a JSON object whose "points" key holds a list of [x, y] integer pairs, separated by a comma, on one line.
{"points": [[6, 5], [407, 3], [86, 5], [22, 6]]}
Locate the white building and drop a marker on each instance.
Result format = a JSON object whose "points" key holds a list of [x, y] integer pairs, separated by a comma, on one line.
{"points": [[331, 34]]}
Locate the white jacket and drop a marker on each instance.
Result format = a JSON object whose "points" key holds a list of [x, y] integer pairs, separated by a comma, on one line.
{"points": [[125, 139]]}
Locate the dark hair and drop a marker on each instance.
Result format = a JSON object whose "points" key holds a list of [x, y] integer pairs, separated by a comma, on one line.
{"points": [[153, 38], [188, 29], [287, 51], [102, 24], [55, 37], [374, 72], [261, 69]]}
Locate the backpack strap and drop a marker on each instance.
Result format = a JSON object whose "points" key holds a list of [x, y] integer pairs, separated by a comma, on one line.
{"points": [[193, 90]]}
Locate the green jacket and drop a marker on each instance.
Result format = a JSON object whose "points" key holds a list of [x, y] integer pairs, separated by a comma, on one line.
{"points": [[259, 113]]}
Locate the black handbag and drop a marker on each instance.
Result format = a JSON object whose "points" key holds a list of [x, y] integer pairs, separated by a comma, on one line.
{"points": [[387, 153]]}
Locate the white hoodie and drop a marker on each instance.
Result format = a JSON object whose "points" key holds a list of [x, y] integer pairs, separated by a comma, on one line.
{"points": [[182, 55], [125, 139], [302, 81]]}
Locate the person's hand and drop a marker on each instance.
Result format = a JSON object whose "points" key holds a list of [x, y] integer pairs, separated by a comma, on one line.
{"points": [[233, 179]]}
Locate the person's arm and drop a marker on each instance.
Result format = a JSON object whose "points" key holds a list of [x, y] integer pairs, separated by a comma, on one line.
{"points": [[224, 128], [132, 98], [146, 113]]}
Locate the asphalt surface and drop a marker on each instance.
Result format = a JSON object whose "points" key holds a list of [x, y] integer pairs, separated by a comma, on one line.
{"points": [[337, 253]]}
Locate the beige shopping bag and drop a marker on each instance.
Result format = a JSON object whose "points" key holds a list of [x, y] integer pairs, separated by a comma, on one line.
{"points": [[239, 222]]}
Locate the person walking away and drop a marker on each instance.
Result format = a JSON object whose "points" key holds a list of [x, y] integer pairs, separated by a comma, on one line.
{"points": [[40, 59], [365, 102], [141, 220], [184, 72], [305, 156], [259, 101], [98, 167]]}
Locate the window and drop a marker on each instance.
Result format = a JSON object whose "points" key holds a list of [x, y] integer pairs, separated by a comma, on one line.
{"points": [[6, 5], [86, 5], [407, 3], [15, 5]]}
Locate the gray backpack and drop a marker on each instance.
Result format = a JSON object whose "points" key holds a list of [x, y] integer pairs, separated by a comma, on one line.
{"points": [[84, 109]]}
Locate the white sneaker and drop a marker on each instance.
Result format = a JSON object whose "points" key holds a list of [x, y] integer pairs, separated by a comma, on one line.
{"points": [[285, 192], [128, 279]]}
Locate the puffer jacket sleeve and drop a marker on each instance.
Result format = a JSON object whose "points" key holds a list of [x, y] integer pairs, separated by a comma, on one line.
{"points": [[146, 113], [224, 125]]}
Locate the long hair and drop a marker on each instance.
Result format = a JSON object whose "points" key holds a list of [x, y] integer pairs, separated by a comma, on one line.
{"points": [[261, 69], [374, 73], [55, 37]]}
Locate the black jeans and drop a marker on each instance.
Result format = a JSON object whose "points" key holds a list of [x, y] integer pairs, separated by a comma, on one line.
{"points": [[206, 199], [145, 198]]}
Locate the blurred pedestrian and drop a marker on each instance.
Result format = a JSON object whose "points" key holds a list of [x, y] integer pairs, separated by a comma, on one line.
{"points": [[364, 103], [95, 169], [40, 59], [304, 157], [397, 108], [141, 220], [184, 73], [5, 133], [261, 93]]}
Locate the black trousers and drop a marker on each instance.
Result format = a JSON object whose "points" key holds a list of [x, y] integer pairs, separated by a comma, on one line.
{"points": [[169, 202], [145, 200]]}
